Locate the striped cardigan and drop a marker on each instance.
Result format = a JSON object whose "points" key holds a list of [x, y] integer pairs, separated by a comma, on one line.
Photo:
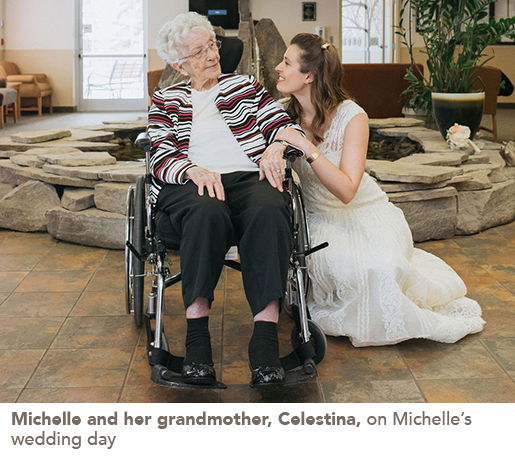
{"points": [[252, 115]]}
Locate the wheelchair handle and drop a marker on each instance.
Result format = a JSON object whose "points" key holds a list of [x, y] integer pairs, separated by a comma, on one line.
{"points": [[143, 141]]}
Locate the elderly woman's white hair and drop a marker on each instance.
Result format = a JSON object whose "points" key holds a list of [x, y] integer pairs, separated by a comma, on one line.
{"points": [[172, 36]]}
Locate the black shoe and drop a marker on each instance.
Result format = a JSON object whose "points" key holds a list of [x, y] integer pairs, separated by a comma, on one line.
{"points": [[199, 373], [265, 376]]}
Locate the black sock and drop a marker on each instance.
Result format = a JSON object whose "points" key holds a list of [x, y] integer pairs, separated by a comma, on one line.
{"points": [[198, 342], [264, 345]]}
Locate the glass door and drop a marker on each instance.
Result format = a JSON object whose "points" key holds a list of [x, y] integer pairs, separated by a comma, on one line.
{"points": [[112, 55], [367, 31]]}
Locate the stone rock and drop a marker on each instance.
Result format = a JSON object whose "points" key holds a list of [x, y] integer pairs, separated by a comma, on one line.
{"points": [[84, 172], [101, 158], [430, 219], [494, 171], [8, 153], [124, 128], [14, 174], [49, 151], [393, 187], [477, 180], [381, 123], [40, 136], [89, 227], [422, 195], [508, 153], [450, 158], [170, 76], [271, 50], [431, 141], [495, 157], [489, 145], [112, 197], [509, 172], [91, 136], [76, 199], [246, 35], [4, 189], [125, 175], [479, 210], [27, 160], [398, 172], [7, 144], [24, 208], [477, 158]]}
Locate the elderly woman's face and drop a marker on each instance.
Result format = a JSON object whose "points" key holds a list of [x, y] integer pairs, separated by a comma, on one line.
{"points": [[204, 67]]}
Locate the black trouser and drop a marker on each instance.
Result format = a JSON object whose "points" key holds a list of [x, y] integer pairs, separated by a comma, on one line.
{"points": [[254, 214]]}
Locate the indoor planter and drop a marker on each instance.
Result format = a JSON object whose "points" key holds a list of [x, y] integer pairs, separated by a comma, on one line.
{"points": [[455, 36]]}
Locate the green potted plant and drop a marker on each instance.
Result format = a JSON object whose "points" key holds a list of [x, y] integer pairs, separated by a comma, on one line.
{"points": [[455, 35]]}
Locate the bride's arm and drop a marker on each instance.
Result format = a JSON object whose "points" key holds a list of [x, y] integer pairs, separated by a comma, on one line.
{"points": [[344, 181]]}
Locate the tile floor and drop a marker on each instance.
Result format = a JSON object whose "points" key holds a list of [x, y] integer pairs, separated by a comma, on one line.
{"points": [[65, 337]]}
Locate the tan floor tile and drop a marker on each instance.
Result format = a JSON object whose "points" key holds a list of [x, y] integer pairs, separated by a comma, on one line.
{"points": [[302, 393], [363, 364], [28, 332], [236, 365], [9, 395], [107, 280], [488, 239], [114, 259], [372, 392], [69, 248], [234, 280], [17, 366], [500, 323], [59, 281], [97, 332], [236, 302], [237, 329], [39, 304], [466, 359], [81, 368], [139, 372], [503, 350], [469, 390], [71, 395], [81, 261], [3, 296], [16, 262], [162, 394], [5, 233], [21, 243], [494, 296], [100, 304], [9, 281]]}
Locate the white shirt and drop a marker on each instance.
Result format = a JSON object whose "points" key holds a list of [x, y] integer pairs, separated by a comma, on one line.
{"points": [[212, 144]]}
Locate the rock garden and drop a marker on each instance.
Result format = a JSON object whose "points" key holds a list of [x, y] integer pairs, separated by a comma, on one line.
{"points": [[73, 182]]}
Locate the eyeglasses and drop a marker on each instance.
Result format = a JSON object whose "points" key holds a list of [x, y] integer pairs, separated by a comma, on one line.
{"points": [[203, 51]]}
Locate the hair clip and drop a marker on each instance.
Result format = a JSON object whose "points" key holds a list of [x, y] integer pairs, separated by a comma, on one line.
{"points": [[325, 46]]}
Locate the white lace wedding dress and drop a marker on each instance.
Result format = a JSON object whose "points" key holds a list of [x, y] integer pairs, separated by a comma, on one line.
{"points": [[371, 284]]}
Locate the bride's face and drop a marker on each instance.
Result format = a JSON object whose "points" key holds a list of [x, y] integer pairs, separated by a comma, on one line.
{"points": [[291, 79]]}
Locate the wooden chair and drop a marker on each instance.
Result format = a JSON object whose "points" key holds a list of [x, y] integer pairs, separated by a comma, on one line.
{"points": [[32, 86], [489, 79]]}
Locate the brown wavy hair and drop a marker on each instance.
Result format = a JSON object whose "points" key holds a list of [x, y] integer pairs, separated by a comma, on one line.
{"points": [[322, 60]]}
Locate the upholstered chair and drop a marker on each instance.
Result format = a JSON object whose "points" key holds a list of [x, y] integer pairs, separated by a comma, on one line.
{"points": [[489, 80], [8, 102], [34, 85]]}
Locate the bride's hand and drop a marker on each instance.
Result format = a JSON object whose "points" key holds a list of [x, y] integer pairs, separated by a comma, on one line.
{"points": [[294, 137]]}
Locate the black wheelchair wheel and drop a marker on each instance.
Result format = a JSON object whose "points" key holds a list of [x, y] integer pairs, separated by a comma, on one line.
{"points": [[317, 339], [138, 266]]}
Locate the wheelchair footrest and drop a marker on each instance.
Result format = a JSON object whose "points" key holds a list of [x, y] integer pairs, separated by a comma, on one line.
{"points": [[290, 378], [161, 375]]}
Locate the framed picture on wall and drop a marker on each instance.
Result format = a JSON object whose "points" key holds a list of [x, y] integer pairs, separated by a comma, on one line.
{"points": [[309, 11]]}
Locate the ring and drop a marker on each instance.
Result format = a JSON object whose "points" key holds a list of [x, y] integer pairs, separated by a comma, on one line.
{"points": [[278, 171]]}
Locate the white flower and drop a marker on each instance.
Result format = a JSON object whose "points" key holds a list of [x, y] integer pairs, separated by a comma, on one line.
{"points": [[458, 137]]}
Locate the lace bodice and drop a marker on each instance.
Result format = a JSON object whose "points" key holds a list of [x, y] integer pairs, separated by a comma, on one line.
{"points": [[317, 198]]}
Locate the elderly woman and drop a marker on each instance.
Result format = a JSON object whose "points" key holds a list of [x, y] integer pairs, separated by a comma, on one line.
{"points": [[217, 175]]}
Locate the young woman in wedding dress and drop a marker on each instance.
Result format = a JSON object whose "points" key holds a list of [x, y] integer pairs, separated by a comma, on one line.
{"points": [[370, 284]]}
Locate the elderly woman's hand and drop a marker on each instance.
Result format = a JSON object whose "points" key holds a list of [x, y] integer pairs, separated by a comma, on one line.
{"points": [[272, 165], [203, 178]]}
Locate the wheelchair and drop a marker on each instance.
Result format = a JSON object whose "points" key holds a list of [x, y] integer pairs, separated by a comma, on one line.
{"points": [[145, 247]]}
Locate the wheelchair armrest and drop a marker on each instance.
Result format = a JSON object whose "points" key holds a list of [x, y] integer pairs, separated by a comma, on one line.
{"points": [[143, 141]]}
